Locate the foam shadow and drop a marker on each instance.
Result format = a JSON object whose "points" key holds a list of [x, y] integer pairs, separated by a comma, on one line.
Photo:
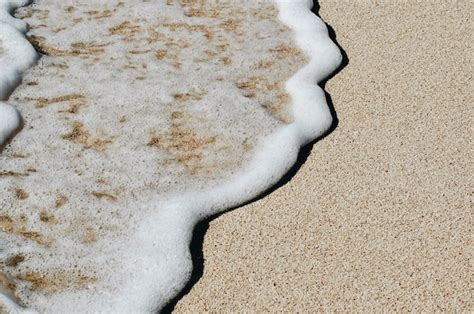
{"points": [[201, 228]]}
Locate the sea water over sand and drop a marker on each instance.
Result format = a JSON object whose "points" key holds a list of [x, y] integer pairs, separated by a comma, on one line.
{"points": [[140, 120]]}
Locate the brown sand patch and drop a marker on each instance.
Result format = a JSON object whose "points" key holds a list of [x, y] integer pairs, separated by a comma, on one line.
{"points": [[61, 200], [47, 217], [203, 28], [77, 49], [127, 30], [80, 136], [89, 236], [187, 97], [10, 173], [163, 54], [285, 51], [226, 60], [183, 143], [20, 155], [230, 24], [21, 194], [59, 280], [34, 236], [265, 64], [14, 261], [271, 95], [59, 65], [99, 14], [105, 195], [76, 100], [6, 224]]}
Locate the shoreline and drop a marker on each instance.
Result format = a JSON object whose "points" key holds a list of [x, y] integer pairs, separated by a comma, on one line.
{"points": [[149, 269], [378, 216]]}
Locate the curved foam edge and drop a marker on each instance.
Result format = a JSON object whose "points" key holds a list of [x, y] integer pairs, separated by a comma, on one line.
{"points": [[173, 223], [10, 122], [6, 9], [157, 262], [17, 56]]}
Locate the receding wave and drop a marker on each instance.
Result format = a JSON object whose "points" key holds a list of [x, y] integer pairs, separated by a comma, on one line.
{"points": [[138, 120]]}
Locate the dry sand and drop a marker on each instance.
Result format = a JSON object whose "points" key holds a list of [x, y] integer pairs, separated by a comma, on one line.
{"points": [[379, 215]]}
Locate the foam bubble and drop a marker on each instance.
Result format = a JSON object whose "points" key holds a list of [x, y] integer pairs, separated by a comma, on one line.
{"points": [[10, 121], [16, 55]]}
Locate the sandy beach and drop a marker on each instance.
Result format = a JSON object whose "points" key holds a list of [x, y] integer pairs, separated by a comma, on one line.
{"points": [[378, 216], [137, 124], [138, 121]]}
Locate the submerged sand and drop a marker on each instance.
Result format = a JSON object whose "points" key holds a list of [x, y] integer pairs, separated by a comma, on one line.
{"points": [[379, 215]]}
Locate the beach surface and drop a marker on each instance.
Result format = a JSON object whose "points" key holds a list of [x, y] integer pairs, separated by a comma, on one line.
{"points": [[138, 122], [378, 216]]}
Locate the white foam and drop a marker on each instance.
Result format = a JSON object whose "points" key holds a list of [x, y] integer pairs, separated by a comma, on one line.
{"points": [[156, 263], [7, 7], [177, 216], [10, 121], [16, 55], [277, 153]]}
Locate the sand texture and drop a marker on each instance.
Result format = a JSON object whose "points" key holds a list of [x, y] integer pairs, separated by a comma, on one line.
{"points": [[379, 215]]}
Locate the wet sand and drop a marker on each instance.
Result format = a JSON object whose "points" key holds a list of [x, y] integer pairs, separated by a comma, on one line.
{"points": [[378, 216]]}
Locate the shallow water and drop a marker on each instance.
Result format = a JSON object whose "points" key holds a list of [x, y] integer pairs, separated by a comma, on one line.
{"points": [[139, 121]]}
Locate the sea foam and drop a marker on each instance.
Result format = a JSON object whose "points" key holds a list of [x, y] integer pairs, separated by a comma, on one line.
{"points": [[16, 55], [142, 266]]}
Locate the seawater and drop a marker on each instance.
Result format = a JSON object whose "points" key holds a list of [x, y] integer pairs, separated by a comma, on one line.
{"points": [[138, 121]]}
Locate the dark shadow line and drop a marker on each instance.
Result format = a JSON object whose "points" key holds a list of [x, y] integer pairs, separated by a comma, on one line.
{"points": [[197, 242]]}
